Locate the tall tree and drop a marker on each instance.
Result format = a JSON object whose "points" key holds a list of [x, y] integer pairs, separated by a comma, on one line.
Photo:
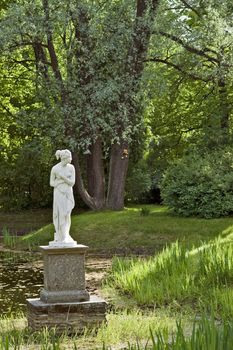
{"points": [[196, 40], [87, 59]]}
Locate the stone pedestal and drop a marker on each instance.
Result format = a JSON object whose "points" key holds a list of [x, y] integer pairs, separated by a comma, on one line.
{"points": [[64, 274], [64, 301], [66, 317]]}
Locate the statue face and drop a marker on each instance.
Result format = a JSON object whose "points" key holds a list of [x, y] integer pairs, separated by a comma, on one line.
{"points": [[66, 160]]}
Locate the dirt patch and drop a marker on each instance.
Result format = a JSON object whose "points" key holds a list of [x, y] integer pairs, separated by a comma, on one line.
{"points": [[96, 270]]}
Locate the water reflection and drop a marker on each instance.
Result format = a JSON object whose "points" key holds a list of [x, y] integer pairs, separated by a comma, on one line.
{"points": [[21, 277]]}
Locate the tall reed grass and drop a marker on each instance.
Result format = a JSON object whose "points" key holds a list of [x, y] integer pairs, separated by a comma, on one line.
{"points": [[205, 335], [8, 239], [176, 276]]}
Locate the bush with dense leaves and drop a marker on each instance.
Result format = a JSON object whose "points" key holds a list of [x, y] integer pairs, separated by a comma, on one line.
{"points": [[24, 176], [138, 183], [200, 185]]}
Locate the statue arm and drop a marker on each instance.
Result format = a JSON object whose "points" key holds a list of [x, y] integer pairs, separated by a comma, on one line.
{"points": [[69, 180], [53, 179]]}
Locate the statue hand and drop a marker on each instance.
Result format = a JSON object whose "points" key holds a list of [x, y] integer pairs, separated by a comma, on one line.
{"points": [[59, 176]]}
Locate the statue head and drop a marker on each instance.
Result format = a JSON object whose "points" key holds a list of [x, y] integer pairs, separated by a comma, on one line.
{"points": [[64, 155]]}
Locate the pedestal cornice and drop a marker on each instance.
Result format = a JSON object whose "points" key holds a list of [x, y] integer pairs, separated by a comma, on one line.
{"points": [[78, 249]]}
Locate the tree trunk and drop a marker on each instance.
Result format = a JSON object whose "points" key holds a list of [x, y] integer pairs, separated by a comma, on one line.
{"points": [[224, 109], [134, 66], [117, 175], [79, 185], [95, 174], [95, 196]]}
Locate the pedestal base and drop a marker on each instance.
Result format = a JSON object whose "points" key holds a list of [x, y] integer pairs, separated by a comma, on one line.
{"points": [[66, 317], [64, 296]]}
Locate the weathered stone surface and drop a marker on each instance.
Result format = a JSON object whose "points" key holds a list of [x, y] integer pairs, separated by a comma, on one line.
{"points": [[64, 302], [64, 274], [64, 296], [69, 317]]}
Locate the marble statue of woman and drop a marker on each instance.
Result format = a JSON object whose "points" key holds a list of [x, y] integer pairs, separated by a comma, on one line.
{"points": [[62, 179]]}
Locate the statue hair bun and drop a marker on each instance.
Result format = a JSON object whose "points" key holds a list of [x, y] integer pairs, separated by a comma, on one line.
{"points": [[58, 154]]}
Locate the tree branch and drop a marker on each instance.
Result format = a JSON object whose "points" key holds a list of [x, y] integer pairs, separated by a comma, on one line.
{"points": [[24, 62], [17, 78], [190, 7], [25, 43], [189, 48], [51, 48], [41, 61], [140, 37], [179, 68]]}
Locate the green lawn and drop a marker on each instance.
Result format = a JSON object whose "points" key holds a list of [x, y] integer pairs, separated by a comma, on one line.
{"points": [[128, 230], [182, 281]]}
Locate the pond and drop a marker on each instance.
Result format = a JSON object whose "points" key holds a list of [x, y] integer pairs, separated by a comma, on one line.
{"points": [[21, 277]]}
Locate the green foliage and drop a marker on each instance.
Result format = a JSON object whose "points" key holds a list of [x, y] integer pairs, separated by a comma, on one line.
{"points": [[97, 94], [200, 184], [138, 278], [138, 182], [188, 96], [179, 278], [24, 175], [91, 64], [70, 63], [185, 95]]}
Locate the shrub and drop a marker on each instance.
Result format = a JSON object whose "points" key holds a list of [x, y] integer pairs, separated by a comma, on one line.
{"points": [[138, 182], [24, 176], [200, 185]]}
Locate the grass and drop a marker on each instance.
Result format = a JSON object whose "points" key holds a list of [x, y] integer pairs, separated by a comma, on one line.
{"points": [[128, 331], [194, 274], [206, 335], [121, 327], [9, 240], [129, 230], [179, 278]]}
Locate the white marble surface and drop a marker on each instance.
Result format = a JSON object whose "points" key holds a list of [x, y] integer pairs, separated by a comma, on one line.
{"points": [[62, 179], [57, 244]]}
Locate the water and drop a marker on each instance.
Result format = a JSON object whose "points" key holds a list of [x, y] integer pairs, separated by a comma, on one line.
{"points": [[21, 277]]}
